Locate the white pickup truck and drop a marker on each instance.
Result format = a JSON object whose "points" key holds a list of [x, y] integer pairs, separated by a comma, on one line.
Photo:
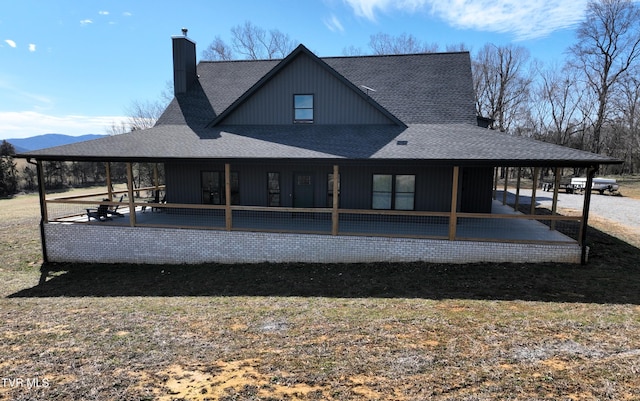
{"points": [[599, 184]]}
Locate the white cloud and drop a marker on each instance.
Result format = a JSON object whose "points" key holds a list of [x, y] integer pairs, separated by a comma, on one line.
{"points": [[25, 124], [85, 22], [127, 14], [103, 12], [333, 24], [32, 47], [523, 19], [11, 43]]}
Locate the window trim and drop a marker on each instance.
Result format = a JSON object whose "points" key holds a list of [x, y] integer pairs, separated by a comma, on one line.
{"points": [[295, 109], [393, 193]]}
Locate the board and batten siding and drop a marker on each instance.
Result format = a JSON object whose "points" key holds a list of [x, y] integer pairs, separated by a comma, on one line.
{"points": [[334, 101], [433, 184]]}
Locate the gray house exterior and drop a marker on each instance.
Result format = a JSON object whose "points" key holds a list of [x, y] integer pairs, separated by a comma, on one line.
{"points": [[373, 158]]}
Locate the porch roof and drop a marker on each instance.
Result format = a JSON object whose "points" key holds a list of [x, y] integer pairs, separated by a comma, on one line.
{"points": [[430, 143]]}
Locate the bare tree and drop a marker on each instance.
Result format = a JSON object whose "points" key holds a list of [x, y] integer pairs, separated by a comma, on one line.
{"points": [[250, 42], [255, 43], [608, 45], [218, 50], [383, 43], [501, 83], [556, 106], [625, 127], [140, 115]]}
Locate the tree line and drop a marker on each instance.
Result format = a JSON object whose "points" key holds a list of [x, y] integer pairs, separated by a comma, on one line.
{"points": [[590, 101]]}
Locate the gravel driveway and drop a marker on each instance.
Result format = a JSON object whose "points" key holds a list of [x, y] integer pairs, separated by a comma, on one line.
{"points": [[620, 209]]}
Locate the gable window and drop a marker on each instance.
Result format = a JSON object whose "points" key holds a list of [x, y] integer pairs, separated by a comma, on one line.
{"points": [[213, 191], [303, 108], [393, 191]]}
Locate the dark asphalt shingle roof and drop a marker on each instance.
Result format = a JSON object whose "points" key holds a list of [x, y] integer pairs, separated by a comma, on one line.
{"points": [[432, 142], [430, 93]]}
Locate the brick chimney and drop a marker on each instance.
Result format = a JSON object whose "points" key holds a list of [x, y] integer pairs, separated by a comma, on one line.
{"points": [[184, 63]]}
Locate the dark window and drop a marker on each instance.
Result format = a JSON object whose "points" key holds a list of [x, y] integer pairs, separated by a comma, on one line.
{"points": [[393, 191], [302, 108], [213, 191], [273, 188]]}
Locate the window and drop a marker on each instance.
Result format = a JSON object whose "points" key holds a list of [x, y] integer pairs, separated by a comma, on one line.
{"points": [[213, 191], [330, 189], [273, 188], [393, 191], [303, 108]]}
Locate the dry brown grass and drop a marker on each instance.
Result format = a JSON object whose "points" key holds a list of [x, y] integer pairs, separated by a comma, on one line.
{"points": [[316, 332]]}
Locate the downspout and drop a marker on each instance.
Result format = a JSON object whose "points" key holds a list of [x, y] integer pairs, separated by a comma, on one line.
{"points": [[43, 210], [591, 172]]}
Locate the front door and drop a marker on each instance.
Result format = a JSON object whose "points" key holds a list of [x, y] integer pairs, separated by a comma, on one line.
{"points": [[302, 190]]}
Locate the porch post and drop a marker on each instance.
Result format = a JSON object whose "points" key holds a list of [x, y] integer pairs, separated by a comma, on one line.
{"points": [[227, 195], [43, 208], [582, 238], [155, 179], [495, 182], [506, 182], [554, 205], [335, 217], [132, 206], [453, 217], [107, 167], [519, 179], [536, 171]]}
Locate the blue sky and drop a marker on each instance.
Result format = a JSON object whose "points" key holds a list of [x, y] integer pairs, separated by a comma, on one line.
{"points": [[74, 66]]}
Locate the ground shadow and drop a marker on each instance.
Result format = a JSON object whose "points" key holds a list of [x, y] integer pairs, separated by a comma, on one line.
{"points": [[612, 276]]}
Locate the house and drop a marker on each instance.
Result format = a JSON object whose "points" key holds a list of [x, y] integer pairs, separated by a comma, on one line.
{"points": [[338, 159]]}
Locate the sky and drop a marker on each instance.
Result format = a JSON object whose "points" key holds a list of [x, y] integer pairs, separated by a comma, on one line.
{"points": [[74, 66]]}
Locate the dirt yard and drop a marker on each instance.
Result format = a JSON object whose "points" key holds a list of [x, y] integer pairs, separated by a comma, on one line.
{"points": [[410, 331]]}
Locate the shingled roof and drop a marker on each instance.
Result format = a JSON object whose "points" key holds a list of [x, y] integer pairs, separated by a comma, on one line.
{"points": [[429, 96]]}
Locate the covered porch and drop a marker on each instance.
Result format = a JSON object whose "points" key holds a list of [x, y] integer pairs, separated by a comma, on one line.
{"points": [[460, 232]]}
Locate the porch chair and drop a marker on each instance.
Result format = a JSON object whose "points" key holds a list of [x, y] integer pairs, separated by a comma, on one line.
{"points": [[115, 212], [100, 214]]}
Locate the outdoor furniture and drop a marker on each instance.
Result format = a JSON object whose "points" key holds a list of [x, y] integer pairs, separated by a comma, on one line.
{"points": [[115, 212], [100, 214]]}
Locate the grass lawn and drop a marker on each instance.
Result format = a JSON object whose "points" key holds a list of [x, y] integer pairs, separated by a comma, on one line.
{"points": [[409, 331]]}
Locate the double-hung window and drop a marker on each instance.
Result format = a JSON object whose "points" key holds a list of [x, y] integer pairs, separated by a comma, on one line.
{"points": [[303, 109], [393, 191]]}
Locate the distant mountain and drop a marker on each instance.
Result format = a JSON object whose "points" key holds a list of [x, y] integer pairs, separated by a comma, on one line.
{"points": [[48, 141]]}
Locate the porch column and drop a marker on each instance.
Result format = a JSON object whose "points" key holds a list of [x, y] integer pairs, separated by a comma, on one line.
{"points": [[536, 171], [42, 191], [495, 182], [453, 217], [556, 186], [582, 236], [132, 206], [519, 179], [107, 167], [155, 179], [335, 216], [43, 210], [506, 182], [227, 195]]}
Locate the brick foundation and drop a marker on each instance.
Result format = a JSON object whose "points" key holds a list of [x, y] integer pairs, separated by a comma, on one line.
{"points": [[108, 244]]}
